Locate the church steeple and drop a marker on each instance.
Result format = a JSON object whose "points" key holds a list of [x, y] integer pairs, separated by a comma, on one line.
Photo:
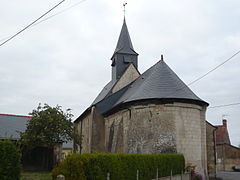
{"points": [[124, 44], [124, 53]]}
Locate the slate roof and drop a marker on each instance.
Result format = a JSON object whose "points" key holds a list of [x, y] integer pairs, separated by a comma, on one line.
{"points": [[105, 91], [10, 125], [124, 44], [158, 82]]}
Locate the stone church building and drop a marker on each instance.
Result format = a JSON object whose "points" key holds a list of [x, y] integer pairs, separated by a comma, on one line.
{"points": [[152, 112]]}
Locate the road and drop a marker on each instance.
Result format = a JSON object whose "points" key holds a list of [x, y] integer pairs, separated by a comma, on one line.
{"points": [[228, 175]]}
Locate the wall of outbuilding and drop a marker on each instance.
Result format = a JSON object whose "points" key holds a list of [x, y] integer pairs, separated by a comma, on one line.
{"points": [[227, 157]]}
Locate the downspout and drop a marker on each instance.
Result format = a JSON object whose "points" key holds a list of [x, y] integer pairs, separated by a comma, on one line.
{"points": [[81, 136], [215, 152], [223, 154]]}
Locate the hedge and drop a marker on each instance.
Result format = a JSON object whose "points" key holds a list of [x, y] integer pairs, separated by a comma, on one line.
{"points": [[120, 166], [10, 161]]}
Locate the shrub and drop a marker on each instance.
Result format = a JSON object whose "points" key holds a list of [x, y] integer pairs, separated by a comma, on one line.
{"points": [[10, 167], [120, 166]]}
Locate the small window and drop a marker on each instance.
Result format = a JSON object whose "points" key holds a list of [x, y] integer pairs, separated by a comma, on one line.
{"points": [[127, 61], [113, 62]]}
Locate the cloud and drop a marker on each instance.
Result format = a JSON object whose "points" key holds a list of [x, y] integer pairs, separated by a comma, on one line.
{"points": [[66, 59]]}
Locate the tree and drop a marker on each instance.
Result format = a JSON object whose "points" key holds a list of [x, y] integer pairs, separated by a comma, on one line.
{"points": [[10, 158], [49, 126]]}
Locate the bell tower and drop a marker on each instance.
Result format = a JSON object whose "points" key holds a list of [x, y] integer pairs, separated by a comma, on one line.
{"points": [[124, 54]]}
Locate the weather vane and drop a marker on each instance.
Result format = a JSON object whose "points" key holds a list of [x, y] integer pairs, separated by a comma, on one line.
{"points": [[224, 115], [124, 7]]}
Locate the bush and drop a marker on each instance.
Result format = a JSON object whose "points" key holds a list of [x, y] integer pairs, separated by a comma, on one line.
{"points": [[120, 166], [10, 167]]}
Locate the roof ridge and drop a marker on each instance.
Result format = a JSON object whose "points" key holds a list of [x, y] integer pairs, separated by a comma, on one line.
{"points": [[1, 114]]}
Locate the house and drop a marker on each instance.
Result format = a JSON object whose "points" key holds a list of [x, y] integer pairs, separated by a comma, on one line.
{"points": [[40, 158], [67, 149], [227, 154], [11, 125], [152, 112]]}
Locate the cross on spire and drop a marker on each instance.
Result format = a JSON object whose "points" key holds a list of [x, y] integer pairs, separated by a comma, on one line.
{"points": [[124, 8]]}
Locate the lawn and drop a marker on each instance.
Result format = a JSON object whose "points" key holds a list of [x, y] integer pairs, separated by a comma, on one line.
{"points": [[36, 176]]}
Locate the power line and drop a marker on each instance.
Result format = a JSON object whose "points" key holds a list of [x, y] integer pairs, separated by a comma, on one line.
{"points": [[225, 105], [60, 12], [214, 69], [204, 75], [31, 23], [4, 38], [49, 17]]}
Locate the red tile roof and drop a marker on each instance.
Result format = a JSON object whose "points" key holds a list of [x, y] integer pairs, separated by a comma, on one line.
{"points": [[14, 115]]}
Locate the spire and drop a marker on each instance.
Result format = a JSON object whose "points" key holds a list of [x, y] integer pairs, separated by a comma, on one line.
{"points": [[124, 54], [124, 45]]}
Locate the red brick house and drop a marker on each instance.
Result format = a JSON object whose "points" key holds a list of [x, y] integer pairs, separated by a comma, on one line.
{"points": [[227, 154]]}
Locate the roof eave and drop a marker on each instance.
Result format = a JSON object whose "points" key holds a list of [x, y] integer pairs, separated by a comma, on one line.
{"points": [[84, 114], [125, 105], [119, 52]]}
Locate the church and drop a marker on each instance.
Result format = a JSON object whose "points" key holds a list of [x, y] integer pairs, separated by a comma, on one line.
{"points": [[152, 112]]}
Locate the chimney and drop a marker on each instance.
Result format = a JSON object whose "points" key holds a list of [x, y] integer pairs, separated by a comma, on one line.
{"points": [[224, 121]]}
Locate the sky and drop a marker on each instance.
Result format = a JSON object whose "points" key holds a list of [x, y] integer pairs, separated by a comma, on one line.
{"points": [[65, 60]]}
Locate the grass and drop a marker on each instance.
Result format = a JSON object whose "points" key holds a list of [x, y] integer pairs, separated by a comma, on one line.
{"points": [[36, 176]]}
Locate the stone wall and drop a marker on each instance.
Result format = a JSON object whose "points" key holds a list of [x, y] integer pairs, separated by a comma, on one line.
{"points": [[84, 129], [145, 129], [128, 76], [116, 129], [98, 132], [92, 129], [153, 128], [227, 157], [191, 133], [211, 149]]}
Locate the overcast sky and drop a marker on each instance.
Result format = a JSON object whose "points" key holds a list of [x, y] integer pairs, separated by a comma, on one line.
{"points": [[65, 60]]}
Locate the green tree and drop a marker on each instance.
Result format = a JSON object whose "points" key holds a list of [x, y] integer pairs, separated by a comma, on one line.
{"points": [[49, 126]]}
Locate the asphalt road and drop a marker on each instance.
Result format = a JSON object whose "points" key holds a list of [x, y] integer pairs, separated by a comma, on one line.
{"points": [[228, 175]]}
